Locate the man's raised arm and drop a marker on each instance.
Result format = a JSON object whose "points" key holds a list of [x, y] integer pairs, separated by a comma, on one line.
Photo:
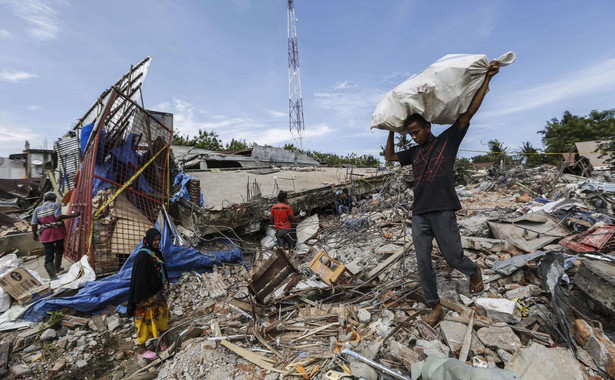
{"points": [[389, 150], [464, 119]]}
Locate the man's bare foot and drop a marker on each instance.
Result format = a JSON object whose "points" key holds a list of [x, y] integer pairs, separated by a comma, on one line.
{"points": [[435, 315]]}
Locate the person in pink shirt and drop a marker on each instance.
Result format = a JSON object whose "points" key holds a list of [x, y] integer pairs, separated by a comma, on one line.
{"points": [[48, 219]]}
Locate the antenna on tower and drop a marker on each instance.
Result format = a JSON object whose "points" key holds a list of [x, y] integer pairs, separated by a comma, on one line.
{"points": [[295, 100]]}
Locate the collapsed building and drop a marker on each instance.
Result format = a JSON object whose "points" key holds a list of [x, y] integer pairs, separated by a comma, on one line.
{"points": [[346, 302]]}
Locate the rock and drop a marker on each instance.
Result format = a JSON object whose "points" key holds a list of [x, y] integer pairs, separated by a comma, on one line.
{"points": [[61, 343], [113, 322], [19, 370], [81, 363], [484, 244], [499, 337], [454, 333], [596, 343], [433, 347], [539, 362], [499, 309], [522, 293], [466, 300], [403, 353], [362, 370], [272, 376], [364, 315], [597, 280], [59, 365], [504, 355], [48, 335]]}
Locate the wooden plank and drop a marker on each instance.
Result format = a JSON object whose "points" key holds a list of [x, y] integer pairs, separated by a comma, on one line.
{"points": [[315, 331], [388, 262], [467, 340], [250, 356]]}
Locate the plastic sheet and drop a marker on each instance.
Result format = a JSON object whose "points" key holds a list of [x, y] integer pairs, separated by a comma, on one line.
{"points": [[507, 267], [182, 180], [551, 271], [444, 368], [95, 296]]}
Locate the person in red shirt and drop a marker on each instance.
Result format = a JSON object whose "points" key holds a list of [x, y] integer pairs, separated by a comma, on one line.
{"points": [[48, 219], [281, 215]]}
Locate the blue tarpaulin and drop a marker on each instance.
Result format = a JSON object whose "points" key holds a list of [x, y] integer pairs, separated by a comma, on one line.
{"points": [[182, 179], [95, 296]]}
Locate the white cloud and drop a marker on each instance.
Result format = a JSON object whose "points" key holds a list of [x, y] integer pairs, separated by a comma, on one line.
{"points": [[400, 75], [343, 85], [43, 19], [349, 103], [13, 138], [187, 121], [4, 33], [577, 83], [15, 76], [34, 108], [277, 113]]}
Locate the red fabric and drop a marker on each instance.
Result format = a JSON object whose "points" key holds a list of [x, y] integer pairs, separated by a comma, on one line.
{"points": [[280, 213]]}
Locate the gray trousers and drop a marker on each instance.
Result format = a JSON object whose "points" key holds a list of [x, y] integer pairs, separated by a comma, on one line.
{"points": [[443, 226]]}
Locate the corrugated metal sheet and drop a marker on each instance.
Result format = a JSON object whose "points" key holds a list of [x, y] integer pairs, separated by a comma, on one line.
{"points": [[69, 158]]}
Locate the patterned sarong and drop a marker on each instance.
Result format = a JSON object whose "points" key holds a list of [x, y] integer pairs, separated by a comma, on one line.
{"points": [[151, 318]]}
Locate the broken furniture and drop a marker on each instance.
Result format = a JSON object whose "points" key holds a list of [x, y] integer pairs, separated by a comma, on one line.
{"points": [[272, 274], [330, 270]]}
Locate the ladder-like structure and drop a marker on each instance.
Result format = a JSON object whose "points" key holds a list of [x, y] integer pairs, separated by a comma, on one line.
{"points": [[295, 100]]}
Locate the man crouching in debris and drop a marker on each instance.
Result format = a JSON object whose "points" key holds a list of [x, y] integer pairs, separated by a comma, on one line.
{"points": [[281, 215], [435, 199], [49, 220]]}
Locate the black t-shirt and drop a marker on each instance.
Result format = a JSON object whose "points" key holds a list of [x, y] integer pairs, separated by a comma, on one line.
{"points": [[432, 165]]}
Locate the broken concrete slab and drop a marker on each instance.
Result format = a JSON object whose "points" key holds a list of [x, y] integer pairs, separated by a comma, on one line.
{"points": [[538, 362], [597, 280], [454, 334], [484, 244], [523, 292], [596, 344], [499, 309], [499, 337], [528, 233]]}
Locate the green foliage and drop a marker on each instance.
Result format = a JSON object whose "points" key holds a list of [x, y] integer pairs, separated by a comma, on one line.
{"points": [[559, 136], [290, 146], [204, 140], [460, 171], [331, 159], [238, 145], [404, 142], [54, 318], [531, 156]]}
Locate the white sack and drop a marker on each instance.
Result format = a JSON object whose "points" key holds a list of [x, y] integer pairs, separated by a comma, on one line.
{"points": [[440, 93]]}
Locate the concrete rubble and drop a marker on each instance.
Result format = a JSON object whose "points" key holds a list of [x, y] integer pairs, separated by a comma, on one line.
{"points": [[307, 327]]}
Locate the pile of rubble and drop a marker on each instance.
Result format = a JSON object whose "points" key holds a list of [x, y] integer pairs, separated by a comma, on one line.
{"points": [[347, 302]]}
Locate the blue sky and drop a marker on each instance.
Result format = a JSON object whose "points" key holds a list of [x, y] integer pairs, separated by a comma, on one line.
{"points": [[221, 65]]}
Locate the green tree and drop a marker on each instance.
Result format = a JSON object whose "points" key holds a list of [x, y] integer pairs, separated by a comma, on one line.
{"points": [[530, 155], [404, 142], [290, 146], [238, 145], [559, 136], [204, 140]]}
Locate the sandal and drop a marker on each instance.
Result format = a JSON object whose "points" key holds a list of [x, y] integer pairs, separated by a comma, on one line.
{"points": [[149, 355], [476, 282]]}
